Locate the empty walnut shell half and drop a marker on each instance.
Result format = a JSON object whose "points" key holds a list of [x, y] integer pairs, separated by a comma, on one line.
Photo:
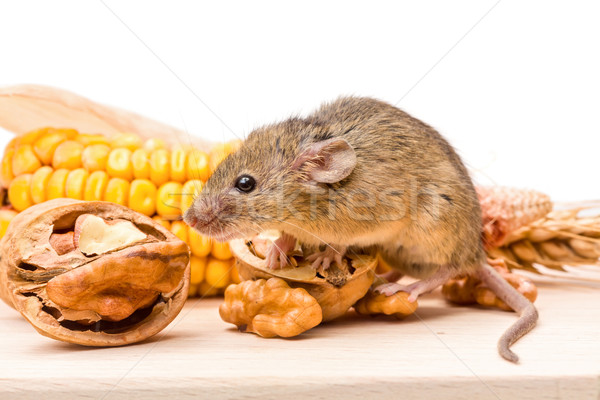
{"points": [[93, 273], [336, 289]]}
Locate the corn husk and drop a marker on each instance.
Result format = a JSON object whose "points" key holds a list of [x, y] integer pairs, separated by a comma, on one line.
{"points": [[28, 107]]}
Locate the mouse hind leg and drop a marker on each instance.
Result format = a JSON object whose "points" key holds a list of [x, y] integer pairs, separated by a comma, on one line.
{"points": [[410, 261], [419, 287]]}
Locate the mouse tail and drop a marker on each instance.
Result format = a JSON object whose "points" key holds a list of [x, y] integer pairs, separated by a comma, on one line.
{"points": [[528, 314]]}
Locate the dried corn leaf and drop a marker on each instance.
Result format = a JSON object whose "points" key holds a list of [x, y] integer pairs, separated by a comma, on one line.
{"points": [[28, 107]]}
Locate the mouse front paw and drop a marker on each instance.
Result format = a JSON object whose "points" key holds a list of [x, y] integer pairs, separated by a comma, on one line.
{"points": [[326, 257], [277, 255]]}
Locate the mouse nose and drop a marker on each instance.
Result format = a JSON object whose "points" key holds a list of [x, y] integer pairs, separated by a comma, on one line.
{"points": [[191, 221], [189, 217], [200, 215]]}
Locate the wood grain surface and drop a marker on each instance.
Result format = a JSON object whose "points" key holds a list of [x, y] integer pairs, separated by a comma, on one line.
{"points": [[441, 352]]}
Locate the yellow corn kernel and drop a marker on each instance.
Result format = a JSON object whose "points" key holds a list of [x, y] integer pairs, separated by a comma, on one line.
{"points": [[180, 229], [153, 144], [220, 151], [28, 137], [178, 156], [39, 181], [197, 269], [217, 154], [129, 141], [118, 164], [232, 146], [197, 165], [159, 166], [76, 182], [88, 139], [199, 245], [67, 155], [189, 191], [168, 199], [142, 196], [45, 146], [164, 222], [221, 251], [57, 183], [5, 217], [117, 191], [95, 186], [234, 275], [140, 163], [71, 133], [95, 156], [19, 193], [217, 272], [24, 160], [192, 290], [12, 144], [206, 290], [6, 172]]}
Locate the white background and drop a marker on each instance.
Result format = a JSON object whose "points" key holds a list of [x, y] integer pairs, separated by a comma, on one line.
{"points": [[513, 85]]}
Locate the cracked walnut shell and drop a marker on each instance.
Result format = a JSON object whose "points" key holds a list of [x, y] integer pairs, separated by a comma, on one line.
{"points": [[270, 308], [336, 289], [93, 273]]}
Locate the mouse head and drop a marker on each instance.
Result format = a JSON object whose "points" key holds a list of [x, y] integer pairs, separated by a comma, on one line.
{"points": [[269, 180]]}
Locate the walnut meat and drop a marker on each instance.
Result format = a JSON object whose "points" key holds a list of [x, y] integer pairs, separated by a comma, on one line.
{"points": [[377, 303], [336, 289], [485, 297], [93, 273], [470, 290], [270, 308]]}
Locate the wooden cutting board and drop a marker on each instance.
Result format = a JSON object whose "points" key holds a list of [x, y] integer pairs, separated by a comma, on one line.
{"points": [[440, 352]]}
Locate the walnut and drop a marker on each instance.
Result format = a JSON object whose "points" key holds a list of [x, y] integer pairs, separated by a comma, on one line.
{"points": [[93, 273], [470, 290], [377, 303], [336, 289], [270, 308], [461, 290], [485, 297]]}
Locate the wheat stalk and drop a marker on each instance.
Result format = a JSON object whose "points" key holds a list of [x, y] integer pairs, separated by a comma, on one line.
{"points": [[519, 228]]}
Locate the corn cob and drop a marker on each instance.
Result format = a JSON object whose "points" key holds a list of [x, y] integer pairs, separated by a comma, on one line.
{"points": [[143, 175], [504, 210]]}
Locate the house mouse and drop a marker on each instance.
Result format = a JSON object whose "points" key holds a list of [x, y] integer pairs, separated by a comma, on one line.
{"points": [[358, 174]]}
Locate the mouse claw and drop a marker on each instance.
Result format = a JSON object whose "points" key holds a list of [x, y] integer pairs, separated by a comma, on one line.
{"points": [[316, 261], [419, 287], [326, 257], [276, 256], [392, 288]]}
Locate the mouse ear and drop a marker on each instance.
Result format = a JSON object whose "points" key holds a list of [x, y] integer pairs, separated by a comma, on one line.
{"points": [[327, 161]]}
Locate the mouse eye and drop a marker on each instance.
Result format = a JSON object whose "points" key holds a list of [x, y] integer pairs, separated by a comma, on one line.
{"points": [[245, 183]]}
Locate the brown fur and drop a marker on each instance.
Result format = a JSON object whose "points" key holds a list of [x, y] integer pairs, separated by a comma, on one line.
{"points": [[360, 173], [416, 173]]}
